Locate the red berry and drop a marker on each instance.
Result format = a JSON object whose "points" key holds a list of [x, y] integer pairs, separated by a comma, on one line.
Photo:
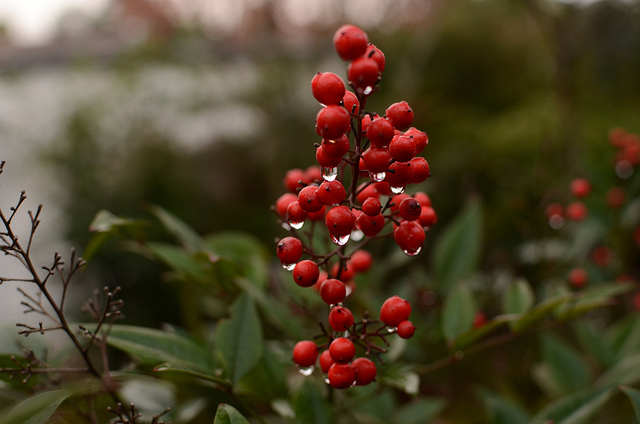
{"points": [[363, 73], [340, 221], [341, 376], [326, 361], [615, 197], [554, 209], [331, 192], [578, 277], [342, 350], [576, 211], [283, 203], [366, 121], [601, 256], [383, 188], [365, 192], [376, 54], [370, 225], [402, 148], [336, 148], [326, 161], [423, 198], [419, 137], [580, 187], [306, 273], [372, 206], [332, 291], [410, 209], [305, 353], [340, 318], [292, 180], [350, 42], [313, 173], [409, 236], [400, 114], [332, 122], [344, 272], [428, 216], [479, 320], [327, 88], [317, 216], [376, 159], [295, 214], [421, 169], [365, 371], [399, 174], [380, 132], [351, 103], [289, 250], [361, 261], [406, 329], [394, 310], [396, 200], [308, 199]]}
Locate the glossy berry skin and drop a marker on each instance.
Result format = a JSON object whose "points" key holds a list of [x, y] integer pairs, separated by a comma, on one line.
{"points": [[576, 211], [394, 310], [376, 54], [399, 174], [363, 73], [289, 250], [400, 114], [325, 160], [361, 261], [409, 236], [332, 122], [331, 192], [380, 132], [327, 88], [336, 148], [372, 206], [421, 170], [306, 273], [428, 216], [410, 209], [292, 180], [308, 199], [370, 225], [283, 202], [396, 200], [423, 198], [419, 137], [344, 272], [341, 376], [350, 42], [332, 291], [340, 221], [402, 148], [580, 188], [326, 361], [365, 371], [340, 318], [578, 278], [305, 353], [365, 192], [376, 159], [342, 350], [351, 103], [406, 329], [295, 213]]}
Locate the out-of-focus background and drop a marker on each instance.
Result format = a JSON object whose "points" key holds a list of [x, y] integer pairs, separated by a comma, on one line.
{"points": [[200, 106]]}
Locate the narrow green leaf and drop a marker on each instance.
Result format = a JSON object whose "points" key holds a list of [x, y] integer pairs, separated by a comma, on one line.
{"points": [[519, 298], [176, 367], [577, 408], [175, 226], [152, 347], [503, 411], [419, 411], [625, 371], [475, 334], [593, 298], [106, 226], [539, 312], [568, 371], [634, 397], [458, 312], [310, 406], [243, 249], [593, 341], [457, 252], [178, 259], [227, 414], [37, 409], [239, 339]]}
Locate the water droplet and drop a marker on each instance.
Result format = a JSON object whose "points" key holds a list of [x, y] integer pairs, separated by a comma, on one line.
{"points": [[556, 222], [377, 176], [412, 252], [392, 329], [333, 305], [289, 267], [296, 225], [326, 380], [624, 169], [286, 226], [397, 190], [306, 371], [348, 289], [329, 174], [367, 90], [357, 235], [340, 240]]}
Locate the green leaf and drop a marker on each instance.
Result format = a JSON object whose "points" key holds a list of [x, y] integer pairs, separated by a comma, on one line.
{"points": [[310, 406], [458, 312], [239, 339], [475, 334], [625, 371], [175, 226], [227, 414], [243, 249], [539, 312], [519, 298], [152, 347], [178, 259], [457, 252], [37, 409], [634, 397], [503, 411], [593, 341], [106, 226], [567, 369], [419, 411], [576, 408], [593, 298]]}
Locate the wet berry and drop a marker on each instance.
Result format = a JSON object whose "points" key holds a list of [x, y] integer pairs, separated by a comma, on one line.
{"points": [[400, 114], [340, 221], [376, 54], [332, 122], [372, 206], [410, 209], [361, 261], [283, 203], [336, 148], [350, 42], [289, 250], [340, 318], [363, 73], [406, 329], [292, 180], [365, 371], [331, 193], [306, 273], [380, 132], [326, 361], [376, 159], [409, 236], [327, 88], [341, 376], [305, 353], [402, 148], [308, 199], [332, 291], [342, 350], [421, 170], [370, 225], [394, 310]]}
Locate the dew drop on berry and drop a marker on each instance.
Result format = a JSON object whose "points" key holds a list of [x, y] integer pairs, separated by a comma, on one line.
{"points": [[329, 174], [412, 252], [333, 305], [357, 235], [306, 371], [340, 240], [392, 329], [289, 267], [296, 225], [368, 90], [326, 380], [397, 190], [377, 176]]}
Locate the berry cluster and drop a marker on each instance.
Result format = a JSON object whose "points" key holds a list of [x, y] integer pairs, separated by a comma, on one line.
{"points": [[365, 162]]}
